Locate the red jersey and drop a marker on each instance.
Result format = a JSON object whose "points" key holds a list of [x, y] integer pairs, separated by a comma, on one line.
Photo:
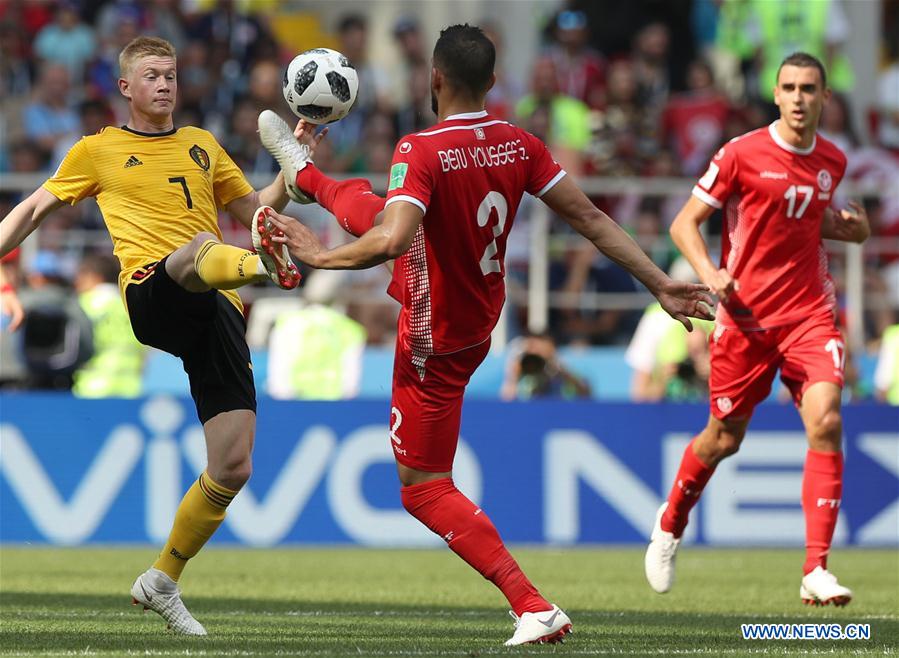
{"points": [[468, 174], [775, 196]]}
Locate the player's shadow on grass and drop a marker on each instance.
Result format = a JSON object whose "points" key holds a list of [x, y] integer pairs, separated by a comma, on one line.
{"points": [[40, 621]]}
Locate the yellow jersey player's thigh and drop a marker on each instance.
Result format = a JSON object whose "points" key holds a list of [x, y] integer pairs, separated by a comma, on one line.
{"points": [[205, 330]]}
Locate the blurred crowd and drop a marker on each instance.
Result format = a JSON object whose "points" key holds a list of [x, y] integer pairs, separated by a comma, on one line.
{"points": [[618, 88]]}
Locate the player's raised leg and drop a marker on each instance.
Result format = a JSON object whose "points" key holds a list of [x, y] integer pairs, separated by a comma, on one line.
{"points": [[292, 156], [274, 257], [822, 490], [205, 262], [720, 439], [351, 201]]}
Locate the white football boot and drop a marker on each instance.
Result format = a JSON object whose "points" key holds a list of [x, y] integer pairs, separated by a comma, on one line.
{"points": [[274, 256], [660, 555], [820, 587], [549, 626], [278, 138], [154, 590]]}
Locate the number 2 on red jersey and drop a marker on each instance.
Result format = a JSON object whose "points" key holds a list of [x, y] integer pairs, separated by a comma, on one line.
{"points": [[493, 201]]}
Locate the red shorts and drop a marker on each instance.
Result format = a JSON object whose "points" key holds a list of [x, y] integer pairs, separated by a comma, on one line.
{"points": [[426, 409], [744, 362]]}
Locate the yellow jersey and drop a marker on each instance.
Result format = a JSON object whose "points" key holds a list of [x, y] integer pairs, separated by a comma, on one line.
{"points": [[156, 191]]}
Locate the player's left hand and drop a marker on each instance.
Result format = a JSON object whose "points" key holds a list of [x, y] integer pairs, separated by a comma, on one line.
{"points": [[854, 226], [305, 134], [302, 243], [682, 300]]}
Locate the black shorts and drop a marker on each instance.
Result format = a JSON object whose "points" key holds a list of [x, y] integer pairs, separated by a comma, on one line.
{"points": [[203, 329]]}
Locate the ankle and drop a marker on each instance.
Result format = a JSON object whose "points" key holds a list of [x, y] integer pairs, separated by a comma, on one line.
{"points": [[310, 180], [160, 580], [812, 563]]}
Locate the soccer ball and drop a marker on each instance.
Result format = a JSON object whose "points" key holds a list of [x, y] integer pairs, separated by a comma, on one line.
{"points": [[320, 85]]}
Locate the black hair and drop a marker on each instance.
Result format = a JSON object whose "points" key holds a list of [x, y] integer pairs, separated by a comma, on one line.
{"points": [[466, 57], [804, 60]]}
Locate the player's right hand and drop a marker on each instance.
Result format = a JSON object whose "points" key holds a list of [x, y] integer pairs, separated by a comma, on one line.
{"points": [[722, 284], [682, 300], [305, 134], [301, 242]]}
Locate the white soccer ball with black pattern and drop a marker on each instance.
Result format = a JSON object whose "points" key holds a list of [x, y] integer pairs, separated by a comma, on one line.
{"points": [[320, 85]]}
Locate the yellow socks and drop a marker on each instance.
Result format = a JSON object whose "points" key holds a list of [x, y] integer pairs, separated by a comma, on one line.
{"points": [[200, 513], [224, 267]]}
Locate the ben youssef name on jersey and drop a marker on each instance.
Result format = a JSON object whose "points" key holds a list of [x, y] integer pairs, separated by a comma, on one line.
{"points": [[155, 191], [491, 155]]}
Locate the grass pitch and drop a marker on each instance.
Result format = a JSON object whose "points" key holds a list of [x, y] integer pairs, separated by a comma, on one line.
{"points": [[342, 602]]}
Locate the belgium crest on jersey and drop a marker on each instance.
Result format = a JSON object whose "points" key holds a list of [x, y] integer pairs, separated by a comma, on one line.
{"points": [[200, 156]]}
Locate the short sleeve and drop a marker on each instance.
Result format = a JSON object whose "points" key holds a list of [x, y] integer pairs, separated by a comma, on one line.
{"points": [[412, 174], [544, 171], [228, 181], [76, 178], [718, 181]]}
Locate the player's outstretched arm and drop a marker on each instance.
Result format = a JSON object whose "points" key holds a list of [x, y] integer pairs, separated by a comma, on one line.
{"points": [[681, 300], [850, 225], [686, 236], [274, 195], [386, 241], [26, 217]]}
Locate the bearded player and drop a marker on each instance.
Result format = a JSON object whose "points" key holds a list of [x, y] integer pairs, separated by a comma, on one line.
{"points": [[453, 194], [776, 311], [159, 188]]}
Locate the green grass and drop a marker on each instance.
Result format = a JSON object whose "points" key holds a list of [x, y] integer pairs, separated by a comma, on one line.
{"points": [[428, 603]]}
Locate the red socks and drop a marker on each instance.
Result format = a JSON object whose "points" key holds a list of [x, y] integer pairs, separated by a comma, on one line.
{"points": [[822, 488], [691, 479], [351, 201], [472, 536]]}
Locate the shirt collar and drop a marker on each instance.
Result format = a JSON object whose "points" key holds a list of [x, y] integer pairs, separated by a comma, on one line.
{"points": [[772, 130], [143, 134], [466, 115]]}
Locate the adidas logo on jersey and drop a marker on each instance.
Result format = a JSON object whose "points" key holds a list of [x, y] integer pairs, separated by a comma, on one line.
{"points": [[133, 162]]}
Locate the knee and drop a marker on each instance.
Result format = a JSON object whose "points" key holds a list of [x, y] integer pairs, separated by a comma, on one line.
{"points": [[827, 430], [729, 443], [717, 443], [432, 487], [201, 238], [407, 499], [235, 473]]}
